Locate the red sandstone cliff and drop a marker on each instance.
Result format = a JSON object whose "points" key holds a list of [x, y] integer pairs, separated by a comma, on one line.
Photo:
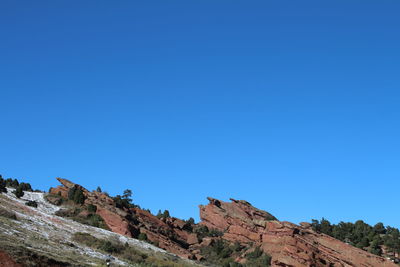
{"points": [[287, 243]]}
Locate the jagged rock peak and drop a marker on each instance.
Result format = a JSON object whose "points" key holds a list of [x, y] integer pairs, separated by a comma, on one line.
{"points": [[240, 209], [65, 182]]}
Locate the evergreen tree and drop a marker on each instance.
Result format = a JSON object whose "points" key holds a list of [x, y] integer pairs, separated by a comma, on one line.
{"points": [[127, 195], [362, 235], [379, 228], [76, 195], [12, 183], [18, 192], [166, 214], [159, 214], [79, 197], [375, 248], [3, 188], [326, 227], [26, 187]]}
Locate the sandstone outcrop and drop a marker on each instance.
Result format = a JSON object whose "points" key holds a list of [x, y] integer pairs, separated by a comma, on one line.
{"points": [[167, 233], [287, 243], [239, 222], [63, 189]]}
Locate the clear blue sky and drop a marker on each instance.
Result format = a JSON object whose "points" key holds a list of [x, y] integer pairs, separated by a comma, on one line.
{"points": [[291, 105]]}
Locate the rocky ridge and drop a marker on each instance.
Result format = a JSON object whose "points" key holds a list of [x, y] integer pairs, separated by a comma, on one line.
{"points": [[287, 243], [239, 222]]}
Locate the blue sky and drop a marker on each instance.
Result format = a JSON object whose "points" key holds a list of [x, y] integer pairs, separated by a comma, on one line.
{"points": [[291, 105]]}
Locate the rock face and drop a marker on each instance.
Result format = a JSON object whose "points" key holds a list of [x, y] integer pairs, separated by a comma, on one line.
{"points": [[287, 243], [170, 234], [63, 190]]}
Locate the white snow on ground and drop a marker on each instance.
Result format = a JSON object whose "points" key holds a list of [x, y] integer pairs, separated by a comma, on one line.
{"points": [[45, 223]]}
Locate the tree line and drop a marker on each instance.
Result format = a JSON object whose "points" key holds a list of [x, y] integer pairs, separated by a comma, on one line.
{"points": [[14, 183], [362, 235]]}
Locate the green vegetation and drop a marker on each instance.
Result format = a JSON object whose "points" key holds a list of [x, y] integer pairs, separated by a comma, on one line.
{"points": [[219, 252], [76, 195], [222, 253], [92, 208], [3, 188], [87, 218], [203, 231], [142, 236], [55, 199], [190, 221], [258, 258], [31, 203], [13, 183], [25, 187], [362, 235], [18, 192], [94, 220], [125, 251], [164, 214], [9, 182], [124, 201]]}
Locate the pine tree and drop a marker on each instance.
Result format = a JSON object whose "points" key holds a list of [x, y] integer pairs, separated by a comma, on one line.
{"points": [[166, 214], [159, 214], [3, 188], [19, 192]]}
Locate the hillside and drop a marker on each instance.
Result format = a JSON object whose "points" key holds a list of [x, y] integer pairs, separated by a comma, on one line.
{"points": [[37, 237], [71, 226]]}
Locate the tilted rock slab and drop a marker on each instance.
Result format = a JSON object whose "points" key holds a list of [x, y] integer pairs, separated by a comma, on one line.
{"points": [[289, 244]]}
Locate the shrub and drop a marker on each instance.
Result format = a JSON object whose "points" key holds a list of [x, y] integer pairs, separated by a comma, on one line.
{"points": [[126, 252], [96, 221], [142, 236], [92, 208], [164, 214], [190, 221], [76, 194], [258, 258], [18, 192], [203, 231], [256, 253], [31, 203], [54, 199], [91, 219], [108, 247], [218, 252]]}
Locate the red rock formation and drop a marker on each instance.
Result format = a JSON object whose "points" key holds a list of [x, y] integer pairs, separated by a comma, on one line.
{"points": [[66, 186], [287, 243], [169, 233]]}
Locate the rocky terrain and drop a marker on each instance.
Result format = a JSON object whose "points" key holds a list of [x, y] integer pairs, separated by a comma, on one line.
{"points": [[32, 236], [230, 234], [287, 243]]}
